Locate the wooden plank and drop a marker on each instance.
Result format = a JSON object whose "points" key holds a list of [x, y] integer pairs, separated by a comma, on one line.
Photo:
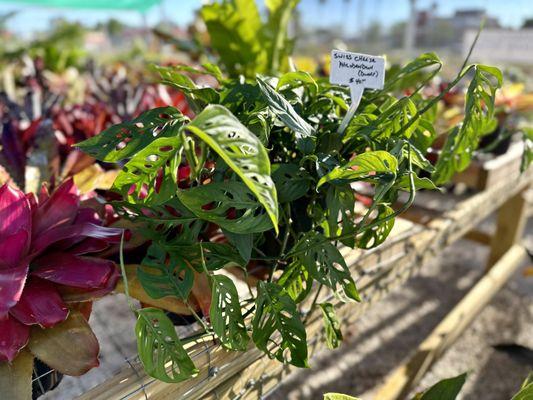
{"points": [[510, 223], [478, 236], [402, 379], [481, 175]]}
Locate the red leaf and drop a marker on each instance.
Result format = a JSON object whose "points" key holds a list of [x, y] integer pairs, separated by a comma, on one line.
{"points": [[41, 304], [67, 232], [12, 282], [69, 270], [15, 213], [89, 245], [13, 248], [61, 208], [13, 337]]}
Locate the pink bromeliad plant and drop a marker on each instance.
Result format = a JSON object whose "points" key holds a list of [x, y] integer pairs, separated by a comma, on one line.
{"points": [[48, 279]]}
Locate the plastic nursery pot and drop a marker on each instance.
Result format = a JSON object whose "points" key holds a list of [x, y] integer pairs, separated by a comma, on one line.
{"points": [[44, 379], [180, 319]]}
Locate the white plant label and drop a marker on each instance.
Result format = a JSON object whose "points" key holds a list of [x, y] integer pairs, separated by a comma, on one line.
{"points": [[358, 72]]}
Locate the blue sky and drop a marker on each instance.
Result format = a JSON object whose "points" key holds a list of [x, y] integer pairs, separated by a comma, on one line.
{"points": [[314, 13]]}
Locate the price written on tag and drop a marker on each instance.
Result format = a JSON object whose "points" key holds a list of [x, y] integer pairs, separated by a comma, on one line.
{"points": [[355, 69], [358, 72]]}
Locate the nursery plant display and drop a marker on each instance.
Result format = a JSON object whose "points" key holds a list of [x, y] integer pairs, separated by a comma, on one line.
{"points": [[263, 178]]}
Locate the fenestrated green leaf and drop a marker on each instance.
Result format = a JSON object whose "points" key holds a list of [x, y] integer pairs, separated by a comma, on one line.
{"points": [[277, 328], [296, 281], [216, 202], [170, 213], [332, 326], [325, 264], [160, 349], [340, 203], [150, 176], [162, 274], [125, 140], [292, 182], [225, 313], [479, 120], [241, 150], [215, 255], [304, 133], [243, 242], [447, 389], [376, 235], [362, 166]]}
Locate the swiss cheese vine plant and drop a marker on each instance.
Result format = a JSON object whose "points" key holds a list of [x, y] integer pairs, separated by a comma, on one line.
{"points": [[264, 164]]}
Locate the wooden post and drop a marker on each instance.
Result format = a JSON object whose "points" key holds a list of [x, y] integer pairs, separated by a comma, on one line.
{"points": [[510, 223], [403, 378]]}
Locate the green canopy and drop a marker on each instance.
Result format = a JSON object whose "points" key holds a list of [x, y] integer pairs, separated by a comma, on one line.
{"points": [[137, 5]]}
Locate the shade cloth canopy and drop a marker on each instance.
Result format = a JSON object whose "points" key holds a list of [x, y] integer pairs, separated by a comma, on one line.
{"points": [[136, 5]]}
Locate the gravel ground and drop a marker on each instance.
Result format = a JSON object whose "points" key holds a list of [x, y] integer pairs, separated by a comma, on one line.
{"points": [[388, 333], [385, 335]]}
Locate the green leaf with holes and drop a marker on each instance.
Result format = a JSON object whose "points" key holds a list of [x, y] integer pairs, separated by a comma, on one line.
{"points": [[241, 150], [150, 176], [363, 166], [325, 264], [122, 141], [479, 120], [277, 328], [292, 182], [296, 281], [169, 213], [372, 237], [225, 314], [160, 349], [215, 255], [332, 325], [230, 205], [162, 274]]}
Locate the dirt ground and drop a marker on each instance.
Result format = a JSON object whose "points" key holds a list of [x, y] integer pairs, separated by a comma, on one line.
{"points": [[385, 335]]}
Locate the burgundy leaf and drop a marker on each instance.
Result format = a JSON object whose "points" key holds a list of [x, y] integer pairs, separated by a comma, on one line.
{"points": [[13, 337], [75, 295], [89, 245], [67, 269], [41, 304], [67, 232], [15, 213], [13, 248], [12, 282], [61, 208]]}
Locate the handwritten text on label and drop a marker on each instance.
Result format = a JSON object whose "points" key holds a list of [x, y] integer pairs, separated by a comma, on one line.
{"points": [[355, 69]]}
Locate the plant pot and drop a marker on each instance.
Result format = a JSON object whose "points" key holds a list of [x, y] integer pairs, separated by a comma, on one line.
{"points": [[44, 379], [180, 319]]}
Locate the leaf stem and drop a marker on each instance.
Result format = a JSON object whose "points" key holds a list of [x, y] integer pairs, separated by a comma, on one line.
{"points": [[313, 304], [124, 276]]}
